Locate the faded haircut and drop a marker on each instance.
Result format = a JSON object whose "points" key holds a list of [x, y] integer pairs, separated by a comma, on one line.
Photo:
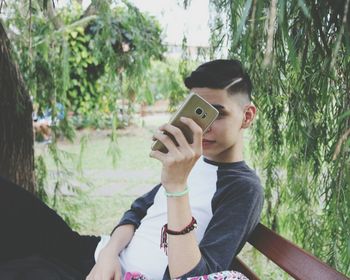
{"points": [[225, 74]]}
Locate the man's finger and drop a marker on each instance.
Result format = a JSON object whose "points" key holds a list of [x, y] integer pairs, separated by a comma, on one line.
{"points": [[196, 129], [166, 140], [157, 155], [177, 134]]}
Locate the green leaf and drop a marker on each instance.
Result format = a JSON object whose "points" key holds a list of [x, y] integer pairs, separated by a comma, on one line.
{"points": [[344, 115], [84, 54], [281, 10], [304, 8], [242, 22], [74, 34]]}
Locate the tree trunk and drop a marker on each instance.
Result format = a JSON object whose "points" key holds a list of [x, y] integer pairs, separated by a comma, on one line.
{"points": [[16, 127]]}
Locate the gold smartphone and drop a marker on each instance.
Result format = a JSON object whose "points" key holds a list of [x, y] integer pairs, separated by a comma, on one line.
{"points": [[196, 108]]}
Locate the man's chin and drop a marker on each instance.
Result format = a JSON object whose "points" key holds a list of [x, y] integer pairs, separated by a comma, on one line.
{"points": [[208, 153]]}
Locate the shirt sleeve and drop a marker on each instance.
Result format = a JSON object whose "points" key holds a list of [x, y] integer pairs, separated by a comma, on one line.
{"points": [[236, 212], [138, 209]]}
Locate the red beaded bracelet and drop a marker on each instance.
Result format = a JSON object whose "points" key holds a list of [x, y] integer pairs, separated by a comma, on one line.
{"points": [[165, 231]]}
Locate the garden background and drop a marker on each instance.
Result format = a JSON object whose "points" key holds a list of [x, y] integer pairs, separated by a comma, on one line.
{"points": [[110, 68]]}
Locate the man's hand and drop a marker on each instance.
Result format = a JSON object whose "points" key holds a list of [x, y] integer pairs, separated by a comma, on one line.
{"points": [[179, 160], [183, 251], [107, 267]]}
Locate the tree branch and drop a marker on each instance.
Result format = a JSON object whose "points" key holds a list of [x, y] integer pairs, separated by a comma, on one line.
{"points": [[52, 16], [340, 35], [91, 10], [2, 3], [270, 33], [340, 143], [80, 22]]}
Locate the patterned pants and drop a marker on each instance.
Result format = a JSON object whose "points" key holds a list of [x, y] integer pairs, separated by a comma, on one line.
{"points": [[223, 275]]}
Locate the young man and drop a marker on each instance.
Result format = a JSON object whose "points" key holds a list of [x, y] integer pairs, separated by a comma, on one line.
{"points": [[218, 193], [225, 195]]}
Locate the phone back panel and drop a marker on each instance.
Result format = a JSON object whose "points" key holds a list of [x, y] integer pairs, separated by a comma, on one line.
{"points": [[196, 108]]}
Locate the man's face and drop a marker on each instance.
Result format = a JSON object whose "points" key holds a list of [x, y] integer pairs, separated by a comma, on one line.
{"points": [[221, 139]]}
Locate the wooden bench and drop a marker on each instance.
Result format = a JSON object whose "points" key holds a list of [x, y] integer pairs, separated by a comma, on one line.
{"points": [[298, 263]]}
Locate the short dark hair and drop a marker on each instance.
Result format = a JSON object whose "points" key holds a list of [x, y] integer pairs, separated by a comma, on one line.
{"points": [[220, 73]]}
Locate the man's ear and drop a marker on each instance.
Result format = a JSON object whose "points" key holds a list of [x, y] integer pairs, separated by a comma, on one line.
{"points": [[249, 112]]}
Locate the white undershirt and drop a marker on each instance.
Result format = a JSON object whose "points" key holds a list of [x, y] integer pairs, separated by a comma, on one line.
{"points": [[137, 257]]}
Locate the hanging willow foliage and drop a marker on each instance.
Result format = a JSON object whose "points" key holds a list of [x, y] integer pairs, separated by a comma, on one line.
{"points": [[76, 57], [298, 55]]}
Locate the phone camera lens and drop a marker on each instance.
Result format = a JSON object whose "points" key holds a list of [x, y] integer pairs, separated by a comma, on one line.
{"points": [[199, 111]]}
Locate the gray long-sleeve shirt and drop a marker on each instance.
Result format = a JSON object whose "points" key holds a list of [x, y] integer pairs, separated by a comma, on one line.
{"points": [[225, 198]]}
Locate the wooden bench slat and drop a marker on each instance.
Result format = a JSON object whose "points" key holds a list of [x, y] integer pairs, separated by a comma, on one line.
{"points": [[295, 261]]}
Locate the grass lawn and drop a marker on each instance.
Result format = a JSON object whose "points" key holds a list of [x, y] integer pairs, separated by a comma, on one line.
{"points": [[93, 201]]}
